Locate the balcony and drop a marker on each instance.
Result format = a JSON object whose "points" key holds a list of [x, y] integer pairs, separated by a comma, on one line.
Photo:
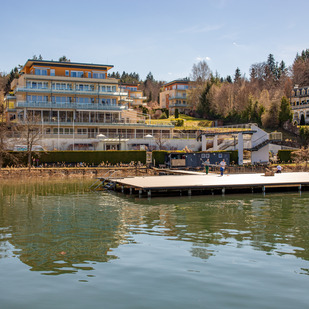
{"points": [[178, 105], [72, 91], [301, 106], [177, 97], [77, 106]]}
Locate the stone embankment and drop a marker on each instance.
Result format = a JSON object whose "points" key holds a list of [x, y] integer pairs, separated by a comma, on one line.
{"points": [[116, 172], [75, 172]]}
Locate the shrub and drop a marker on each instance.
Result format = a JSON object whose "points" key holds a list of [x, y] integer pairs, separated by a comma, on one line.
{"points": [[284, 155]]}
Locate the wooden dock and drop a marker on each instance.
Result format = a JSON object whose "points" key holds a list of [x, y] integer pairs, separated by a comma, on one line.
{"points": [[210, 184]]}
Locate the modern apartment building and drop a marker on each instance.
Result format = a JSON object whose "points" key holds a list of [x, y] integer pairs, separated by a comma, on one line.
{"points": [[300, 104], [135, 96], [73, 103], [174, 96]]}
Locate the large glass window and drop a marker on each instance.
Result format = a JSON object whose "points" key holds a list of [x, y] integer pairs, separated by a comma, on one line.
{"points": [[77, 74], [98, 75], [40, 71]]}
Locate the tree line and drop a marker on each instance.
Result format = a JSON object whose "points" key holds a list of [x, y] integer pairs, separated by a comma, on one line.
{"points": [[262, 98]]}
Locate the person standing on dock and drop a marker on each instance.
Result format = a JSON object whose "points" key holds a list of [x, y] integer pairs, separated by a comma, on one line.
{"points": [[279, 169], [222, 166], [206, 164]]}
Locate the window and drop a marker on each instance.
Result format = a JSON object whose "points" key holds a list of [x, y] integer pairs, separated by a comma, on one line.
{"points": [[67, 73], [103, 88], [114, 101], [81, 131], [52, 72], [89, 74], [108, 88], [40, 71], [114, 88], [77, 74], [98, 75]]}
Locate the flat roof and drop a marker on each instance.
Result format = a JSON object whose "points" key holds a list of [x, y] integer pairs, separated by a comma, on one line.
{"points": [[177, 81], [76, 65]]}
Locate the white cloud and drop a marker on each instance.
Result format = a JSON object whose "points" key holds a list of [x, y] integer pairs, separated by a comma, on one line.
{"points": [[203, 58]]}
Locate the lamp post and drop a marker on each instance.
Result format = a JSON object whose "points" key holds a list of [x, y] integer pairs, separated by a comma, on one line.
{"points": [[149, 137]]}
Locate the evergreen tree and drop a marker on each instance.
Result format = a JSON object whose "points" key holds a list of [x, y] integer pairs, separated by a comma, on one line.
{"points": [[271, 63], [176, 113], [229, 79], [150, 77], [285, 113], [237, 76], [203, 107]]}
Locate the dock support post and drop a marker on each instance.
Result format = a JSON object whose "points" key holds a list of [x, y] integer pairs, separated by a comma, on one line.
{"points": [[180, 192], [131, 191], [252, 190], [122, 189], [140, 192], [299, 188], [223, 191], [263, 189], [149, 193], [189, 192]]}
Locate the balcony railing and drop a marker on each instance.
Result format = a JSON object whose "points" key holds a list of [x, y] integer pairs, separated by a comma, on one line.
{"points": [[84, 106], [178, 105], [178, 97], [72, 91], [306, 105]]}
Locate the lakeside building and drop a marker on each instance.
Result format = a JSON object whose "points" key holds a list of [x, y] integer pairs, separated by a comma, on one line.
{"points": [[74, 103], [174, 96], [300, 104], [134, 95]]}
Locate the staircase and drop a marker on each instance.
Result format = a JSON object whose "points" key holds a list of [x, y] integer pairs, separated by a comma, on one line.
{"points": [[104, 183]]}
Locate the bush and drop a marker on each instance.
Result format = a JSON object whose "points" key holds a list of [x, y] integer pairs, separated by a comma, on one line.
{"points": [[176, 113], [284, 155], [158, 157], [88, 157], [178, 122]]}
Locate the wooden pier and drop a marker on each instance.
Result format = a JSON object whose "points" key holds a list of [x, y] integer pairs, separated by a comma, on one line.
{"points": [[199, 183]]}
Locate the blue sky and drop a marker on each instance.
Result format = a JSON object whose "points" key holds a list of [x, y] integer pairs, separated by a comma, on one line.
{"points": [[164, 37]]}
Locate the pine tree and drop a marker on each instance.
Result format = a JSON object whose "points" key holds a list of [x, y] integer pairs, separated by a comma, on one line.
{"points": [[237, 76], [285, 113]]}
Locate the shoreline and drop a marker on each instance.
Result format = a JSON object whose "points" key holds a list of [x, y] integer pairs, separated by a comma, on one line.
{"points": [[126, 171]]}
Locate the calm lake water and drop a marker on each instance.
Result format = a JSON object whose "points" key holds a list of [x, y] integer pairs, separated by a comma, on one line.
{"points": [[62, 246]]}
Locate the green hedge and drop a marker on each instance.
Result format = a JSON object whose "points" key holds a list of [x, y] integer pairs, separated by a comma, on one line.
{"points": [[88, 157], [285, 155], [158, 157]]}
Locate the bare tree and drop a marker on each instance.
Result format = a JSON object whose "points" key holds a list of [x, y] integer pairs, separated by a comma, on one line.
{"points": [[160, 141], [30, 132], [199, 77], [6, 132]]}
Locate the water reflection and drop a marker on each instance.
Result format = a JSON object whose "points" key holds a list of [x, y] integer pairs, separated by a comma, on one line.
{"points": [[58, 228]]}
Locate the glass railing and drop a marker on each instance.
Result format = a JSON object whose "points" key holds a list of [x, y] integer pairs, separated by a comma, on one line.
{"points": [[72, 91], [91, 106]]}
